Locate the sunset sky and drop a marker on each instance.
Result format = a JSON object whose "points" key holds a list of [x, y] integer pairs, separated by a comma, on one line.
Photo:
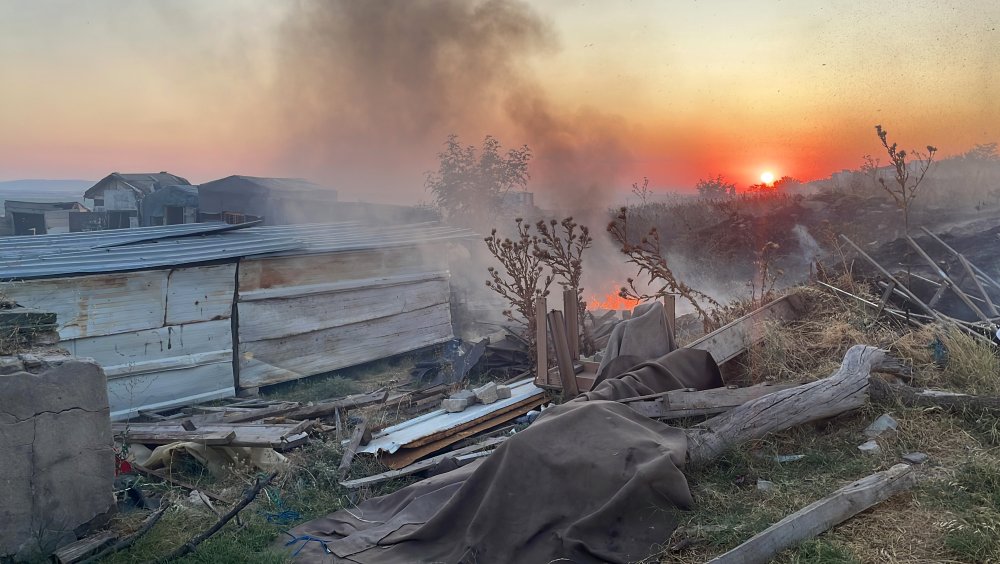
{"points": [[360, 95]]}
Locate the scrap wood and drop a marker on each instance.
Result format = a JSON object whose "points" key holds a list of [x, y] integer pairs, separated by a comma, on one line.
{"points": [[885, 392], [352, 448], [979, 272], [175, 482], [81, 549], [320, 409], [821, 515], [128, 541], [408, 455], [190, 545], [564, 357], [728, 341], [422, 465], [272, 435], [164, 435], [947, 281], [687, 403], [521, 406]]}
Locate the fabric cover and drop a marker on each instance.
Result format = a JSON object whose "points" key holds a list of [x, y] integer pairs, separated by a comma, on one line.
{"points": [[589, 481], [645, 336]]}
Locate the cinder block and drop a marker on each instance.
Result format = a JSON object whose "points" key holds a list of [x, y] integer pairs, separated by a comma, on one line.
{"points": [[503, 392], [454, 405]]}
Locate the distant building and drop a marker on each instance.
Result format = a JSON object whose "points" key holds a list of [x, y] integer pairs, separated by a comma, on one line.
{"points": [[39, 218], [277, 201], [120, 195], [171, 205]]}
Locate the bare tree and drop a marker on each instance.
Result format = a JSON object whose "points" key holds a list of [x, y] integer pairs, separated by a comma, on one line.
{"points": [[563, 254], [907, 181], [522, 279]]}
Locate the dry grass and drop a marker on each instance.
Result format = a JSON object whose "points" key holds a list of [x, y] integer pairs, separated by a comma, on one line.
{"points": [[952, 516]]}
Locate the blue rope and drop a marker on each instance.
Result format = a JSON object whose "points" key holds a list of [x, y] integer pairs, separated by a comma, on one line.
{"points": [[307, 539]]}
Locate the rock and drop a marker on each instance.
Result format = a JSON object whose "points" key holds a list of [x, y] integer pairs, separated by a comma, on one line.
{"points": [[764, 485], [789, 457], [503, 392], [884, 424], [870, 447], [487, 394], [916, 457]]}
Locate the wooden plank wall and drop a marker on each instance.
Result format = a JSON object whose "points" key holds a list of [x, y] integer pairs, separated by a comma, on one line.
{"points": [[305, 315], [163, 337]]}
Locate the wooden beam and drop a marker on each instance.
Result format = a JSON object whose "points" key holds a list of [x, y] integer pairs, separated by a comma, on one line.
{"points": [[822, 515], [899, 285], [541, 344], [979, 286], [352, 448], [420, 466], [567, 372], [81, 549], [947, 281], [728, 341], [670, 310], [166, 436], [571, 312], [948, 248]]}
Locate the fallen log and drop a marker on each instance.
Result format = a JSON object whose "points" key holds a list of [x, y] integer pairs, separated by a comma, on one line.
{"points": [[883, 391], [677, 404], [843, 391], [821, 515], [81, 549]]}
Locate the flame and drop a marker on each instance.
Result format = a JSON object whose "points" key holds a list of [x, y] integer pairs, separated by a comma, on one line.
{"points": [[611, 301]]}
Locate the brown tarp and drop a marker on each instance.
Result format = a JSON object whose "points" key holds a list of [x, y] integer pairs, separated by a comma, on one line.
{"points": [[589, 481]]}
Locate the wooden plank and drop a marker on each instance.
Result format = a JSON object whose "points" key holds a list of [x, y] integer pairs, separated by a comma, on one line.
{"points": [[422, 465], [103, 304], [541, 343], [295, 315], [277, 360], [822, 515], [567, 372], [167, 436], [728, 341], [406, 456], [571, 313], [524, 405], [127, 394], [77, 551], [320, 409], [352, 448], [240, 434], [681, 403]]}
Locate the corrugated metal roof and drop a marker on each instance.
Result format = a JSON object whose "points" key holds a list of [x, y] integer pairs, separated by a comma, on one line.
{"points": [[151, 247]]}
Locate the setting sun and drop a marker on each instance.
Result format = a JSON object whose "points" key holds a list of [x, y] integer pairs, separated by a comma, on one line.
{"points": [[767, 177]]}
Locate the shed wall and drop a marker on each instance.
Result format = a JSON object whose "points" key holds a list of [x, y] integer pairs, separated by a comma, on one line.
{"points": [[305, 315], [163, 337]]}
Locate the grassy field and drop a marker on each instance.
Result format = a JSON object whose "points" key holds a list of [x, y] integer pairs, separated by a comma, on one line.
{"points": [[952, 516]]}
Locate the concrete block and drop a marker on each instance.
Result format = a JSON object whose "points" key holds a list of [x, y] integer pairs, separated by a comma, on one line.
{"points": [[503, 392], [454, 405], [56, 460], [885, 424], [487, 394]]}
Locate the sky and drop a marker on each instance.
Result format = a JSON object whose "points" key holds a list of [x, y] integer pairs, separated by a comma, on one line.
{"points": [[360, 96]]}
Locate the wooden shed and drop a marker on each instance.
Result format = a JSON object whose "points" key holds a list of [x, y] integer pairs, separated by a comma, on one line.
{"points": [[193, 312]]}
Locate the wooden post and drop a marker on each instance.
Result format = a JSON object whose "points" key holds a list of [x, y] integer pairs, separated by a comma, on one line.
{"points": [[567, 374], [541, 344], [979, 287], [570, 311], [821, 515], [670, 309], [947, 281]]}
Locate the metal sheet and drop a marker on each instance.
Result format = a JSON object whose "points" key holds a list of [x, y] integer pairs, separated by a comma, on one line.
{"points": [[393, 438]]}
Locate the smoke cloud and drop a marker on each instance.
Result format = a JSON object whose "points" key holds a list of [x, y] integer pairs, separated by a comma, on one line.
{"points": [[370, 90]]}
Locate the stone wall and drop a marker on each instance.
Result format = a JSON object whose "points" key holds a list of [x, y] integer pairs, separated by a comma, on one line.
{"points": [[56, 458]]}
